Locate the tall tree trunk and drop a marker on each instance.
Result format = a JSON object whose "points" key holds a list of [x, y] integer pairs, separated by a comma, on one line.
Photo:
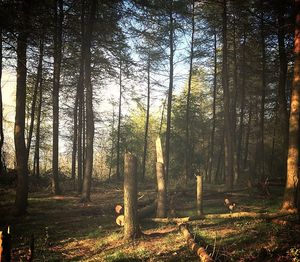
{"points": [[58, 19], [233, 108], [187, 123], [36, 165], [169, 106], [112, 143], [80, 91], [147, 120], [88, 167], [283, 117], [75, 136], [263, 98], [212, 176], [242, 112], [2, 163], [248, 136], [36, 161], [227, 117], [119, 123], [289, 198], [35, 93], [19, 129]]}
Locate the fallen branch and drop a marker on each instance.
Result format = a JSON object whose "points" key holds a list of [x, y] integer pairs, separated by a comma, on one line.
{"points": [[200, 251], [228, 215]]}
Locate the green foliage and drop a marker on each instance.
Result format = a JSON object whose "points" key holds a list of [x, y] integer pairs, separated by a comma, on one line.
{"points": [[198, 124]]}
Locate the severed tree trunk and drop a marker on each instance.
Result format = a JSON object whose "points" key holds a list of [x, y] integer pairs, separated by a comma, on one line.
{"points": [[147, 120], [131, 224], [229, 160], [88, 167], [119, 123], [289, 198], [171, 73], [187, 123], [161, 190], [190, 239], [57, 38], [21, 200], [199, 195]]}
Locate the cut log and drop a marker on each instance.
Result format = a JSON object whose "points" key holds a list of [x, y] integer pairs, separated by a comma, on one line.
{"points": [[120, 220], [199, 250], [119, 209], [231, 215]]}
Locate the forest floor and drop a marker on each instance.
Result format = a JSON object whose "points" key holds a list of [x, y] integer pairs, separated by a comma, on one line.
{"points": [[66, 230]]}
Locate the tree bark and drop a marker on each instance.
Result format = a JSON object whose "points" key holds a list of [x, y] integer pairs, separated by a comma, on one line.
{"points": [[289, 198], [58, 19], [147, 120], [88, 168], [131, 224], [19, 128], [161, 190], [187, 123]]}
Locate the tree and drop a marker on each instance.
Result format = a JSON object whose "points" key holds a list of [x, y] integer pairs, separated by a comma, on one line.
{"points": [[57, 41], [88, 169], [19, 129], [289, 198], [226, 95], [187, 128]]}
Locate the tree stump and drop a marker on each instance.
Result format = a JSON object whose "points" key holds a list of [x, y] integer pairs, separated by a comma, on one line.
{"points": [[161, 190], [131, 225], [199, 195]]}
